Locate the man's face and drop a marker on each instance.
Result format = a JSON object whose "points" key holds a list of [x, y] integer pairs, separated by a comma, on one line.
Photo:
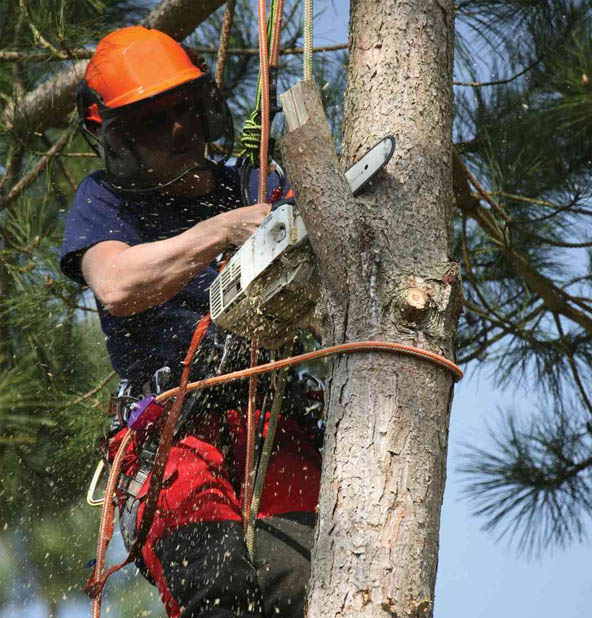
{"points": [[160, 139]]}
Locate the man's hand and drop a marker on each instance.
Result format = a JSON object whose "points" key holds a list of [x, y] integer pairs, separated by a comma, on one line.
{"points": [[239, 224]]}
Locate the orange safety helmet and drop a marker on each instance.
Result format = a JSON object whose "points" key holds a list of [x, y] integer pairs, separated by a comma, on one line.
{"points": [[132, 67]]}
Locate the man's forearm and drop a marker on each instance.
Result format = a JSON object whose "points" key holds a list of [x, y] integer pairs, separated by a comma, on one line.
{"points": [[140, 277]]}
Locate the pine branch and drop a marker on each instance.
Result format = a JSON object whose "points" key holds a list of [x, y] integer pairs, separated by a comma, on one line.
{"points": [[286, 51], [4, 23], [13, 166], [37, 170], [39, 37], [79, 54], [574, 367], [533, 482], [506, 327], [93, 391], [531, 200], [500, 82], [62, 167], [555, 299], [554, 243], [222, 52], [179, 18]]}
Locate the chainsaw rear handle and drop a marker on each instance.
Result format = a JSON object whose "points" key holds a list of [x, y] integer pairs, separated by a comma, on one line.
{"points": [[279, 203]]}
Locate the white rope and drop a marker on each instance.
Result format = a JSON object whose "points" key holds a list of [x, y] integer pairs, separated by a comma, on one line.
{"points": [[308, 22]]}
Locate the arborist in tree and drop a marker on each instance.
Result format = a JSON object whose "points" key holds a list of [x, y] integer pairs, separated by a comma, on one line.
{"points": [[144, 234]]}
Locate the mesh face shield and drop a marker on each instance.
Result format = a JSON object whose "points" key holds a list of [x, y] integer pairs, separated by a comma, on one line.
{"points": [[152, 143]]}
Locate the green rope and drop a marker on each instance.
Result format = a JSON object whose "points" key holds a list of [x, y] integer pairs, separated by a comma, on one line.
{"points": [[250, 140], [265, 457]]}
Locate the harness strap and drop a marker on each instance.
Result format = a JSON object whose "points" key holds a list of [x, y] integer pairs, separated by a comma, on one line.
{"points": [[170, 416], [250, 446]]}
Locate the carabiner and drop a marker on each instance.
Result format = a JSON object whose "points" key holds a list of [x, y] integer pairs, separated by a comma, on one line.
{"points": [[90, 494]]}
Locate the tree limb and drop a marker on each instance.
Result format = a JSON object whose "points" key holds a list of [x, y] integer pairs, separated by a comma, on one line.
{"points": [[179, 18], [317, 178], [555, 299], [16, 56], [499, 82], [39, 168], [49, 103], [94, 391]]}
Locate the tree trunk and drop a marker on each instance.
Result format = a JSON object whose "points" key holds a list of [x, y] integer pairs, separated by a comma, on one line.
{"points": [[384, 260]]}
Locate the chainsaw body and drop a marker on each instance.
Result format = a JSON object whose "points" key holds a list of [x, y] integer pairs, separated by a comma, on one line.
{"points": [[270, 285]]}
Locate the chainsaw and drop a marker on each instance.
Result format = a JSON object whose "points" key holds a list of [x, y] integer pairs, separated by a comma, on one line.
{"points": [[270, 286]]}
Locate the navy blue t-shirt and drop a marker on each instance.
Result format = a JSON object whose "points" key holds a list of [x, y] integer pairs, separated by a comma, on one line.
{"points": [[140, 344]]}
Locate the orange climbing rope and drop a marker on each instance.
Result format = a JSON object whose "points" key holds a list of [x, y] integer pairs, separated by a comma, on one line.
{"points": [[265, 111], [97, 580], [250, 443], [344, 348]]}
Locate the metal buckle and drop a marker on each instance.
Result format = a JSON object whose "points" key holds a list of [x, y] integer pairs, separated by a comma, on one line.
{"points": [[160, 379]]}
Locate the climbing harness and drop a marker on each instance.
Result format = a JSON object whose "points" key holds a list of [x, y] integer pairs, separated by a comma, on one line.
{"points": [[97, 580]]}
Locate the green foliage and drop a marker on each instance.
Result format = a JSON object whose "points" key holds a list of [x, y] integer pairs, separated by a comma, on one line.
{"points": [[534, 484], [51, 348]]}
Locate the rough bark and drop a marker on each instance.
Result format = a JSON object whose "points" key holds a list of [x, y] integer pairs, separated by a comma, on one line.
{"points": [[385, 264], [49, 104]]}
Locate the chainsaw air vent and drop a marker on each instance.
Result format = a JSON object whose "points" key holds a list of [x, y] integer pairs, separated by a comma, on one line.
{"points": [[225, 289]]}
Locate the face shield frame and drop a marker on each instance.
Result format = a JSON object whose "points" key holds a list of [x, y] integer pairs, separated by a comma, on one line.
{"points": [[126, 170]]}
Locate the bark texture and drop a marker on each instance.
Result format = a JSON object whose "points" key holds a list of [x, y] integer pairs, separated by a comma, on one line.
{"points": [[50, 103], [385, 263]]}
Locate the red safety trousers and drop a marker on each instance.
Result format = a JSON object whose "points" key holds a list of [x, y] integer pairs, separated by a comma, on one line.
{"points": [[195, 551]]}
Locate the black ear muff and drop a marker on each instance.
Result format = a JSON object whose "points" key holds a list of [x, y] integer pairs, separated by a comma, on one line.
{"points": [[90, 129], [213, 108]]}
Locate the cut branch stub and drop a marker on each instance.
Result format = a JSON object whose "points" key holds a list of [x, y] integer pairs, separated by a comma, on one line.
{"points": [[424, 302]]}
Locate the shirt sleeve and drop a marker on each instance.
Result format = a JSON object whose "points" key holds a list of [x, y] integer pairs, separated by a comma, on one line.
{"points": [[96, 214]]}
